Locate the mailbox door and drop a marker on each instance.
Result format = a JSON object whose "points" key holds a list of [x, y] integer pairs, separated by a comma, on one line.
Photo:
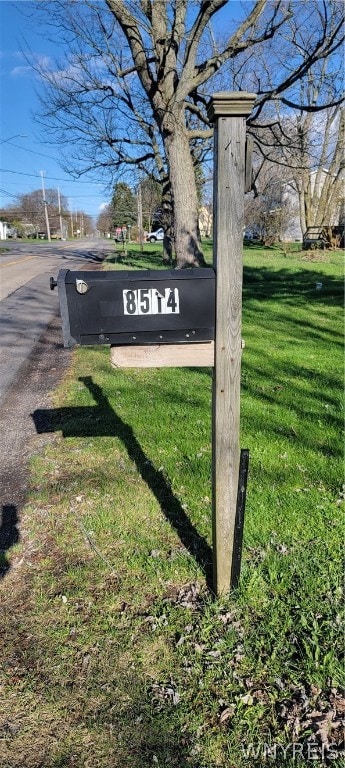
{"points": [[146, 307]]}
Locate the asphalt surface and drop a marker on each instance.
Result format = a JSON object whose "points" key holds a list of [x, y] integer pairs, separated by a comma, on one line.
{"points": [[27, 303], [21, 262], [24, 318], [32, 362]]}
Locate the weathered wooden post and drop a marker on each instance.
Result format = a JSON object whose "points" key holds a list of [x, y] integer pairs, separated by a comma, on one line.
{"points": [[168, 318], [229, 112]]}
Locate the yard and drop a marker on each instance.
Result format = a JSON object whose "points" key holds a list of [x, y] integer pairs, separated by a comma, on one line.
{"points": [[115, 653]]}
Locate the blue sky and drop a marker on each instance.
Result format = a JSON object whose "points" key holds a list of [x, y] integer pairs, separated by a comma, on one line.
{"points": [[23, 153]]}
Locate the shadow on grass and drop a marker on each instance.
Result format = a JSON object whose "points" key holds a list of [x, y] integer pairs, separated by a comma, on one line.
{"points": [[292, 285], [139, 259], [9, 535], [103, 421]]}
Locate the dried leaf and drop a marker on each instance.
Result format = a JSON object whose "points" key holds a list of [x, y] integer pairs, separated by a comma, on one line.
{"points": [[199, 648], [338, 703], [315, 690], [227, 617], [85, 663], [226, 714], [282, 549], [165, 693], [247, 699], [188, 596]]}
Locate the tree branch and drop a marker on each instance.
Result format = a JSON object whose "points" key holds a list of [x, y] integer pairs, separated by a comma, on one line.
{"points": [[197, 111], [200, 134], [202, 72], [323, 47], [311, 107], [130, 29]]}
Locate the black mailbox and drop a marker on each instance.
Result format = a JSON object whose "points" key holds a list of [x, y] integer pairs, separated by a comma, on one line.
{"points": [[146, 307]]}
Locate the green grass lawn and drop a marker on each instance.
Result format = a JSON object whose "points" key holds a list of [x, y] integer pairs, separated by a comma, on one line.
{"points": [[115, 653]]}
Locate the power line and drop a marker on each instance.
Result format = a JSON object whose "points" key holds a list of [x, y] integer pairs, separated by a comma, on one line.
{"points": [[9, 194], [32, 151], [52, 178], [71, 197]]}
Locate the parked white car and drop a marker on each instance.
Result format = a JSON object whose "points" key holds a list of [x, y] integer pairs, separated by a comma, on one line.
{"points": [[153, 236]]}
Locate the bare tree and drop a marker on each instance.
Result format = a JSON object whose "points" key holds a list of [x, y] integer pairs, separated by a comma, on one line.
{"points": [[27, 214], [310, 164], [151, 195], [30, 210], [269, 212], [87, 224], [307, 141], [318, 176], [105, 221], [133, 91]]}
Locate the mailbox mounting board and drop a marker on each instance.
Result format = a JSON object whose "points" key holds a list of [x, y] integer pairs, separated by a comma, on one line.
{"points": [[135, 308]]}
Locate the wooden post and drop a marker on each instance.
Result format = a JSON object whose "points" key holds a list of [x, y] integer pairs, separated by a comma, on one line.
{"points": [[229, 112]]}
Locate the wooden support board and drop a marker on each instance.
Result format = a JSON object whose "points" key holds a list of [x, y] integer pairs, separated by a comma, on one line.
{"points": [[163, 355]]}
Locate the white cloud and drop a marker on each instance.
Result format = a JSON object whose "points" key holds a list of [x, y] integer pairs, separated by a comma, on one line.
{"points": [[38, 60], [43, 62], [19, 71]]}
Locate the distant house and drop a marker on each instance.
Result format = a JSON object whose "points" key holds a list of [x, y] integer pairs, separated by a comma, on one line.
{"points": [[205, 221], [3, 230], [59, 234], [291, 230]]}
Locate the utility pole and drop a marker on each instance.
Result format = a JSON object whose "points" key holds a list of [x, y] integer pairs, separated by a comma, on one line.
{"points": [[45, 207], [60, 217], [140, 215], [71, 214]]}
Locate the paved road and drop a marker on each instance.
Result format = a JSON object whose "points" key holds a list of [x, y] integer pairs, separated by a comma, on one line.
{"points": [[26, 302], [21, 262]]}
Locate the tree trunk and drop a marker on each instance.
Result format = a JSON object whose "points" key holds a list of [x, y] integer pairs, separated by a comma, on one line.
{"points": [[302, 211], [184, 192], [167, 221]]}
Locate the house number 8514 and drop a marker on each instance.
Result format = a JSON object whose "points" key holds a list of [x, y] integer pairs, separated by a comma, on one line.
{"points": [[150, 301]]}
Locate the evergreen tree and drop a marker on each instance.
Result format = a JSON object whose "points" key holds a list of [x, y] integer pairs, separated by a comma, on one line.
{"points": [[123, 205]]}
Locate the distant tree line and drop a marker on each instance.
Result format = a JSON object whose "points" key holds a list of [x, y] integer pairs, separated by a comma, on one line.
{"points": [[26, 215]]}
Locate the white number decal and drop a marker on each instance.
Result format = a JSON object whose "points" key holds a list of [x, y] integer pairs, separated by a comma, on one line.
{"points": [[130, 302], [144, 301], [150, 301]]}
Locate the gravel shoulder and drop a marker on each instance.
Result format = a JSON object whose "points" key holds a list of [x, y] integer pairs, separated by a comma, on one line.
{"points": [[31, 389], [33, 361]]}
